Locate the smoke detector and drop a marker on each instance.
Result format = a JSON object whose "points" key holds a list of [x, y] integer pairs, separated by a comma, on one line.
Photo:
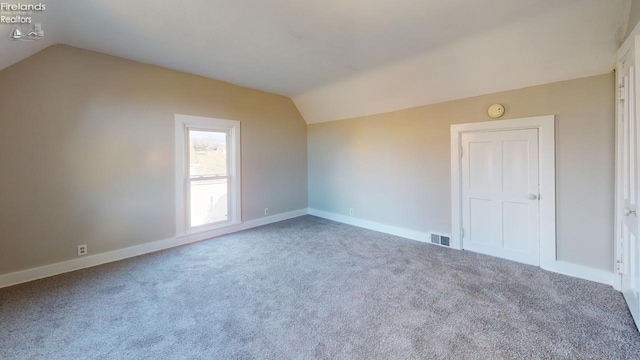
{"points": [[496, 110]]}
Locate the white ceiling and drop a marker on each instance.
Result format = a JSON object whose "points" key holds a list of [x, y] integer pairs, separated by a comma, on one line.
{"points": [[339, 59]]}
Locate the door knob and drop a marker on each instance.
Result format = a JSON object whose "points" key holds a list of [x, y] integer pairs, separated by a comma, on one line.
{"points": [[531, 197], [628, 212]]}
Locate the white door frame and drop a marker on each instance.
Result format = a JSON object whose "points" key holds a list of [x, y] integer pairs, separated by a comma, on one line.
{"points": [[633, 40], [547, 174]]}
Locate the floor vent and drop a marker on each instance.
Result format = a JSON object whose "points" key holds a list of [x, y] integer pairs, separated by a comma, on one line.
{"points": [[440, 239]]}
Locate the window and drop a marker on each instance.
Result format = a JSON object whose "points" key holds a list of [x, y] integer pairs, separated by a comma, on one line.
{"points": [[207, 173]]}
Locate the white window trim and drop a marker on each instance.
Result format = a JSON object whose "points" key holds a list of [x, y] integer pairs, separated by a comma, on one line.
{"points": [[182, 122], [546, 146]]}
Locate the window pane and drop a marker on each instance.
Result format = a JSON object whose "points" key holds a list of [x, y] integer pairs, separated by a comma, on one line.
{"points": [[207, 153], [208, 201]]}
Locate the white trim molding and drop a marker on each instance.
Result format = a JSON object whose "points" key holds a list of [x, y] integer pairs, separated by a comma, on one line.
{"points": [[371, 225], [120, 254], [546, 136], [631, 44], [581, 272], [560, 267], [182, 125], [546, 140]]}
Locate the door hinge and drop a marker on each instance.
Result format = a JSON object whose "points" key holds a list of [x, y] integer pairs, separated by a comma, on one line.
{"points": [[462, 233], [461, 151], [619, 266], [620, 87]]}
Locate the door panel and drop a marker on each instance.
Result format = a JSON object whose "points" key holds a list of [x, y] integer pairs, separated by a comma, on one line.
{"points": [[514, 236], [480, 169], [499, 175], [627, 252], [515, 176], [481, 221]]}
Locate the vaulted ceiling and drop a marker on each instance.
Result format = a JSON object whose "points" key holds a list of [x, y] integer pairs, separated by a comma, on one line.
{"points": [[339, 59]]}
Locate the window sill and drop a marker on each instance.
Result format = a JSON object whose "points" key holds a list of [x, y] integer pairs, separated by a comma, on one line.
{"points": [[206, 229]]}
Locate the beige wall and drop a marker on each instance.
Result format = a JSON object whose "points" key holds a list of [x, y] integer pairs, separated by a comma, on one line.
{"points": [[634, 16], [394, 168], [86, 152], [86, 156]]}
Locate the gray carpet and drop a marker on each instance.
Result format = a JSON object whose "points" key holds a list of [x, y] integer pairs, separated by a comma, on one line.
{"points": [[309, 288]]}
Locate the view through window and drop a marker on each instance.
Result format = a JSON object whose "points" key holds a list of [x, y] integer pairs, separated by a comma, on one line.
{"points": [[208, 177]]}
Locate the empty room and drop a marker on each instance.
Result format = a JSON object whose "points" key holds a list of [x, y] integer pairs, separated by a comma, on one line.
{"points": [[409, 179]]}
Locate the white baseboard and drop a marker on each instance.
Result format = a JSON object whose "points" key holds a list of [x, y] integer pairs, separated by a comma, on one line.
{"points": [[561, 267], [383, 228], [115, 255], [581, 272]]}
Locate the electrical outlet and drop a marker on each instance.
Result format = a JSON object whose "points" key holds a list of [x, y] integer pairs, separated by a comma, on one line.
{"points": [[266, 211], [82, 250], [350, 211]]}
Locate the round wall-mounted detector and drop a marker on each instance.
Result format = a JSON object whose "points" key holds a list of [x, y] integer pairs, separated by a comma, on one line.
{"points": [[496, 110]]}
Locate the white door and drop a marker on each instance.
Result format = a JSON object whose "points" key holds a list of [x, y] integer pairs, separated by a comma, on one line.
{"points": [[500, 209], [628, 255]]}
